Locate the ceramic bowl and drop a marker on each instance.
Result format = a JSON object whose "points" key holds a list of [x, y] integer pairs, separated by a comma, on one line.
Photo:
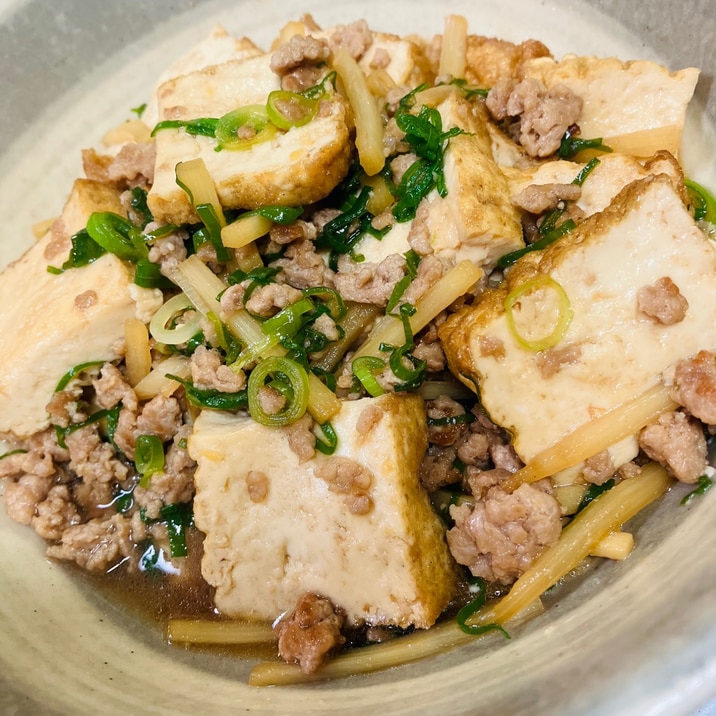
{"points": [[637, 637]]}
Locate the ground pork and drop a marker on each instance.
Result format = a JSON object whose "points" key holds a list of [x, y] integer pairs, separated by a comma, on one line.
{"points": [[430, 270], [677, 442], [257, 485], [693, 386], [208, 372], [267, 300], [282, 235], [369, 282], [92, 459], [499, 537], [55, 514], [66, 407], [168, 251], [662, 301], [301, 438], [545, 115], [270, 400], [160, 416], [538, 198], [111, 388], [24, 494], [96, 545], [347, 477], [437, 468], [302, 267], [419, 233], [440, 409], [598, 468], [299, 50], [354, 38], [310, 632], [552, 360], [433, 355]]}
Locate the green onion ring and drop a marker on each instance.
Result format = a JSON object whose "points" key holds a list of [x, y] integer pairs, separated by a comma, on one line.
{"points": [[297, 379], [564, 319], [278, 99], [253, 116], [365, 368], [148, 457]]}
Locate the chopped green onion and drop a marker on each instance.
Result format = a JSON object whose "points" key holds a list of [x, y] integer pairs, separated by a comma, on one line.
{"points": [[702, 202], [138, 202], [116, 235], [593, 491], [451, 420], [62, 433], [177, 517], [207, 213], [328, 378], [74, 372], [277, 213], [585, 171], [472, 608], [85, 250], [139, 111], [19, 451], [704, 483], [287, 322], [320, 91], [327, 446], [244, 128], [564, 317], [365, 368], [336, 306], [203, 126], [571, 144], [288, 109], [211, 399], [297, 378], [180, 332], [148, 457], [149, 275]]}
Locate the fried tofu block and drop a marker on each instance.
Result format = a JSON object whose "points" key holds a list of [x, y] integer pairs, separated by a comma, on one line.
{"points": [[215, 49], [402, 59], [605, 181], [637, 103], [277, 527], [296, 167], [54, 322], [476, 219], [615, 347]]}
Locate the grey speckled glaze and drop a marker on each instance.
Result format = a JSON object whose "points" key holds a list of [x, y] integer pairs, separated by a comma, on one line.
{"points": [[631, 639]]}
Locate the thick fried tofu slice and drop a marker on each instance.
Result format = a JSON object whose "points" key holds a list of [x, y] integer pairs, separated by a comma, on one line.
{"points": [[476, 219], [604, 182], [215, 49], [51, 323], [637, 107], [293, 168], [387, 566], [613, 350]]}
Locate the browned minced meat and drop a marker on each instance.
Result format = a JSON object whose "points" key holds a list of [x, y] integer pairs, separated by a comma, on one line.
{"points": [[419, 233], [168, 251], [545, 115], [552, 360], [24, 494], [347, 477], [310, 632], [160, 416], [677, 442], [430, 270], [500, 537], [299, 50], [175, 483], [432, 353], [538, 198], [209, 372], [369, 282], [302, 267], [492, 346], [92, 459], [301, 438], [111, 388], [662, 301], [694, 386], [96, 545], [282, 235], [257, 485], [132, 166], [437, 468], [56, 513], [354, 38], [598, 468], [270, 400], [439, 409], [267, 300]]}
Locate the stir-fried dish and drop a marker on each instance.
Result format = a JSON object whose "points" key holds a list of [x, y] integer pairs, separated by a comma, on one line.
{"points": [[376, 337]]}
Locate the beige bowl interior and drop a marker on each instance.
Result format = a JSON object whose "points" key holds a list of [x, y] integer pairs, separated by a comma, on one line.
{"points": [[637, 637]]}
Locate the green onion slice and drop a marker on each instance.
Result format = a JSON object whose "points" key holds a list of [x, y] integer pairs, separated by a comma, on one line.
{"points": [[336, 306], [149, 275], [702, 202], [244, 128], [287, 322], [472, 608], [148, 457], [117, 235], [365, 368], [327, 446], [181, 332], [74, 372], [288, 110], [211, 399], [563, 319], [704, 484], [287, 371]]}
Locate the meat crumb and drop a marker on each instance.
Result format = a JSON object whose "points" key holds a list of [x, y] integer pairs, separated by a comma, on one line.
{"points": [[538, 198], [257, 485], [347, 477], [310, 632], [694, 386], [663, 302], [676, 442]]}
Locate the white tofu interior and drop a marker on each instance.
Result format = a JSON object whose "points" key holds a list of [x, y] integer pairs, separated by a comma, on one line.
{"points": [[646, 234], [389, 566]]}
